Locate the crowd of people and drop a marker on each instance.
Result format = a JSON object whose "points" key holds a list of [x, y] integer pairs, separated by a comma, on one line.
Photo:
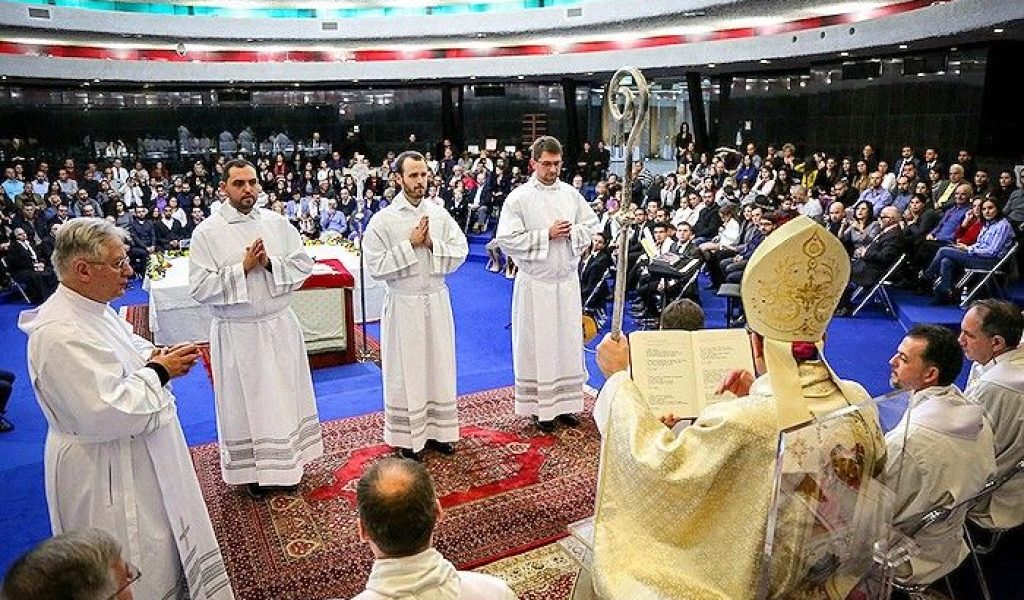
{"points": [[555, 223]]}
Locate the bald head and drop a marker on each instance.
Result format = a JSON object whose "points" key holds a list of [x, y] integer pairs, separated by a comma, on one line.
{"points": [[397, 507]]}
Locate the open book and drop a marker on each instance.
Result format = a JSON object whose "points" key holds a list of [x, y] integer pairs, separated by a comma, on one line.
{"points": [[677, 371]]}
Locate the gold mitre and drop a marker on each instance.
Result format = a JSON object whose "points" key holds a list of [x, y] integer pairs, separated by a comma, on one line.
{"points": [[794, 281], [790, 288]]}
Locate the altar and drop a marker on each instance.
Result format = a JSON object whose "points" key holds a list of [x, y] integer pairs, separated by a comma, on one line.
{"points": [[324, 311]]}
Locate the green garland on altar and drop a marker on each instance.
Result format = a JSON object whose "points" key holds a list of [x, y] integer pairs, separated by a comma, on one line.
{"points": [[159, 262], [339, 241]]}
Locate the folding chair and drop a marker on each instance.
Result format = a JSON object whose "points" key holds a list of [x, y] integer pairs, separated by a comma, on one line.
{"points": [[1016, 471], [880, 289], [964, 507], [987, 276], [14, 282], [733, 301]]}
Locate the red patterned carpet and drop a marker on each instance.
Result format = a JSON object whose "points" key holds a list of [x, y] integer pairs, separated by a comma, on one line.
{"points": [[508, 489]]}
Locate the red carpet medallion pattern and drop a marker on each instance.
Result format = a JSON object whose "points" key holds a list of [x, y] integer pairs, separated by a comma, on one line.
{"points": [[507, 490]]}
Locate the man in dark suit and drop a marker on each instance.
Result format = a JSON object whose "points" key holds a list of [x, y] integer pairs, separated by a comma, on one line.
{"points": [[31, 221], [872, 261], [29, 269], [593, 270], [169, 231], [143, 242]]}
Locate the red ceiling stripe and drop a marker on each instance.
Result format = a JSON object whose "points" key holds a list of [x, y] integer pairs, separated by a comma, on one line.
{"points": [[314, 56]]}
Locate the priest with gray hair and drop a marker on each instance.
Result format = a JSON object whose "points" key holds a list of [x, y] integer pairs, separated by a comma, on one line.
{"points": [[115, 454]]}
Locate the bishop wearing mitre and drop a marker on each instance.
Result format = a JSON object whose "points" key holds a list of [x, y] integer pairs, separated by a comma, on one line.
{"points": [[687, 515]]}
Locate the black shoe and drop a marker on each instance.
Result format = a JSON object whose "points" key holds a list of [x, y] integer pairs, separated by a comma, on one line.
{"points": [[569, 420], [256, 491], [407, 453], [446, 448], [545, 426], [5, 425]]}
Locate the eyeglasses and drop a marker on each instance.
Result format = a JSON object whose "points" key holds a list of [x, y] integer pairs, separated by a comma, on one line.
{"points": [[117, 266], [133, 574]]}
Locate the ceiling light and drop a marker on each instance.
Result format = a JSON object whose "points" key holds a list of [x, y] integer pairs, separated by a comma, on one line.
{"points": [[765, 61], [521, 77], [95, 80], [296, 84], [711, 65], [844, 54], [998, 30], [902, 46]]}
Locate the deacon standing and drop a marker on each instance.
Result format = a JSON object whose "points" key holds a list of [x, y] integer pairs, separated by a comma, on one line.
{"points": [[245, 264], [544, 227], [115, 456], [412, 245]]}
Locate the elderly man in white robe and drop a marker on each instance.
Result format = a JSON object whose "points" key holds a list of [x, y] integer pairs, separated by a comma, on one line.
{"points": [[412, 245], [245, 263], [397, 513], [939, 454], [115, 455], [989, 335], [545, 226]]}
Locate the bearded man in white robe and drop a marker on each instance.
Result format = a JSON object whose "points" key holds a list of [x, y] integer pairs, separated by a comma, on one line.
{"points": [[412, 245], [989, 334], [245, 263], [545, 226], [940, 453], [115, 456]]}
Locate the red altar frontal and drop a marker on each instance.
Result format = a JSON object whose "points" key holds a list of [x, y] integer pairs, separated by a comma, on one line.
{"points": [[324, 308]]}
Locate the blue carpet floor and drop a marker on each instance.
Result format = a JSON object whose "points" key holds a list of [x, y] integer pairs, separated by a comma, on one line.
{"points": [[858, 349]]}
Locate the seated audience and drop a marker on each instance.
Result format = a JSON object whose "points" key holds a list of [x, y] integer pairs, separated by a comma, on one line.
{"points": [[397, 514], [871, 262], [993, 242], [29, 268], [944, 232]]}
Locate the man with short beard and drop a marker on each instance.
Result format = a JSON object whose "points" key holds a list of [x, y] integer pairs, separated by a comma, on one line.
{"points": [[544, 227], [412, 245], [245, 264]]}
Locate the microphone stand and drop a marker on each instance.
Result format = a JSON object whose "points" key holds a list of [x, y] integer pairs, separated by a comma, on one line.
{"points": [[360, 171]]}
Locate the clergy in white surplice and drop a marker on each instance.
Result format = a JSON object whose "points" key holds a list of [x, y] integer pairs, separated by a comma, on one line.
{"points": [[412, 245], [989, 334], [544, 227], [115, 455], [245, 262]]}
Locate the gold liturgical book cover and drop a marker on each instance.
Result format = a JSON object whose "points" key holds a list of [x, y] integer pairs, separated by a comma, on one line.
{"points": [[677, 371]]}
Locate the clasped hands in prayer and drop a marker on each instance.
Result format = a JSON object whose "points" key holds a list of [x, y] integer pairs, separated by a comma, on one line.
{"points": [[177, 359], [255, 255], [420, 235], [559, 229], [613, 356]]}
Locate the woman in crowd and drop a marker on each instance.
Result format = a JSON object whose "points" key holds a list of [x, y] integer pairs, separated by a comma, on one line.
{"points": [[861, 176], [863, 228], [919, 218], [746, 171], [122, 218], [683, 140], [935, 175], [827, 176], [763, 189]]}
